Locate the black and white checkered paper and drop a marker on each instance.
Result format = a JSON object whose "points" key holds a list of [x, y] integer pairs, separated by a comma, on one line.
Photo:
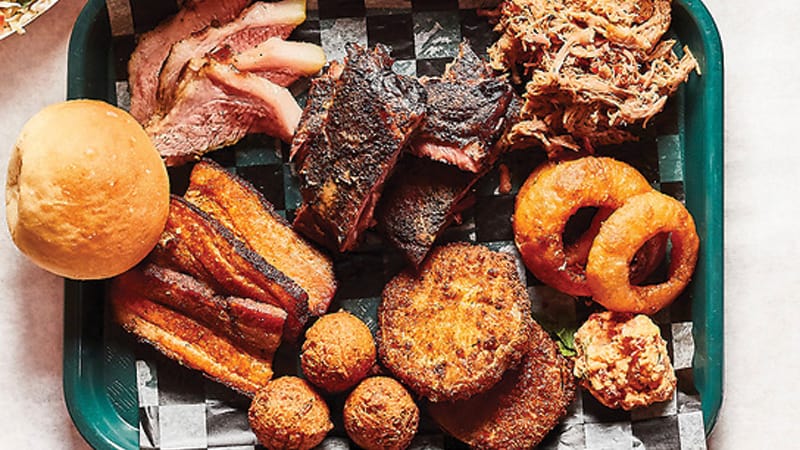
{"points": [[180, 409]]}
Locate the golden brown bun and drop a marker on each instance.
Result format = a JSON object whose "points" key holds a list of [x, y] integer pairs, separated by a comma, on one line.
{"points": [[87, 194]]}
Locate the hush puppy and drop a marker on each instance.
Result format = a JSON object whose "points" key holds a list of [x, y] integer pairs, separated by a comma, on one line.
{"points": [[288, 414], [381, 415], [623, 361], [338, 352]]}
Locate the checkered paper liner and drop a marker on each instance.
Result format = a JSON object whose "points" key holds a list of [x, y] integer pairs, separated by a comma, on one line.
{"points": [[180, 409]]}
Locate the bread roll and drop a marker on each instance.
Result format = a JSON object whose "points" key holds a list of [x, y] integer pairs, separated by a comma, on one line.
{"points": [[87, 194]]}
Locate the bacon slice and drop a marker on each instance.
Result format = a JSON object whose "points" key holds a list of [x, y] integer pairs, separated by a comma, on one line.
{"points": [[154, 46], [191, 344], [195, 243], [238, 206], [253, 325]]}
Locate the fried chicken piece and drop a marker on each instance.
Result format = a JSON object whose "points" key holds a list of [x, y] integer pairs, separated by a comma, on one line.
{"points": [[338, 352], [381, 415], [517, 413], [623, 361], [451, 331], [289, 414]]}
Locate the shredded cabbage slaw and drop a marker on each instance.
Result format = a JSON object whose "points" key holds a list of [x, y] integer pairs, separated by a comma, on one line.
{"points": [[14, 15]]}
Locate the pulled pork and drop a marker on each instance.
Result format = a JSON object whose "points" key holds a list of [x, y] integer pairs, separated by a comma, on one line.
{"points": [[592, 68]]}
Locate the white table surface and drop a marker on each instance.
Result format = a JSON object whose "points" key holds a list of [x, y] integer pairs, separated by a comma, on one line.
{"points": [[762, 156]]}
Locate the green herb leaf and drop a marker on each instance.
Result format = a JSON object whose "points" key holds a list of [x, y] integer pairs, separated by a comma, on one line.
{"points": [[565, 338]]}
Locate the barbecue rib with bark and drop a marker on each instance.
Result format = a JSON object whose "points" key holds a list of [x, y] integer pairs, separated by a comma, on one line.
{"points": [[216, 106], [255, 25], [420, 200], [241, 208], [191, 343], [154, 46], [467, 114], [358, 119], [195, 243], [252, 325]]}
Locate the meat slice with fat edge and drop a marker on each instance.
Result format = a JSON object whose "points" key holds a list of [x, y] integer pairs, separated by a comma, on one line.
{"points": [[216, 106], [153, 48], [255, 25], [282, 62], [358, 118]]}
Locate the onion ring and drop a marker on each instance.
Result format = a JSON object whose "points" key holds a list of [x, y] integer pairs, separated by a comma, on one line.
{"points": [[638, 220], [550, 196], [644, 262]]}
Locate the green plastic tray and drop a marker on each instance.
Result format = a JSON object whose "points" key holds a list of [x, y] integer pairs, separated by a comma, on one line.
{"points": [[99, 373]]}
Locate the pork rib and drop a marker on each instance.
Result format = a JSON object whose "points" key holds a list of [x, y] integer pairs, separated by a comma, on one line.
{"points": [[255, 25], [350, 142], [253, 325], [216, 106], [466, 114], [421, 199], [154, 46]]}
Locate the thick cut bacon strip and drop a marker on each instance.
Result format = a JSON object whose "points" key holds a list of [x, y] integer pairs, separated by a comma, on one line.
{"points": [[191, 344], [255, 25], [237, 205], [254, 325], [217, 106], [197, 244], [154, 46]]}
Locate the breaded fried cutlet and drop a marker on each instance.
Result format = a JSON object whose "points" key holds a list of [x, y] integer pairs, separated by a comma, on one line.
{"points": [[517, 413], [451, 330]]}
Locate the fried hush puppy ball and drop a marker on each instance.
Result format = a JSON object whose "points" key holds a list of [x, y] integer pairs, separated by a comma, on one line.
{"points": [[381, 415], [622, 360], [338, 352], [288, 414]]}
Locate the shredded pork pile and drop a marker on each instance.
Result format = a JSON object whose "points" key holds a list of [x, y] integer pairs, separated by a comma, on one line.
{"points": [[592, 67]]}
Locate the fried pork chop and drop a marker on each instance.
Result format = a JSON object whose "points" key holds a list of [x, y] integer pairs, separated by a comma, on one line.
{"points": [[452, 330], [358, 118], [521, 409]]}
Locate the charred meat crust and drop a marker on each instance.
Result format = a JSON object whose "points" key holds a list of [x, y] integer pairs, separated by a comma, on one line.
{"points": [[191, 344], [255, 326], [451, 331], [419, 202], [369, 117], [198, 244], [466, 114], [524, 406], [244, 210]]}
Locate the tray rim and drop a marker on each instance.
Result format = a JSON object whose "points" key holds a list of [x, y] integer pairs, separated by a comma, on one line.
{"points": [[83, 401]]}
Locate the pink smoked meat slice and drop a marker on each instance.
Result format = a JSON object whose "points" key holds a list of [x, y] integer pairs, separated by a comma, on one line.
{"points": [[216, 106], [255, 25], [153, 48]]}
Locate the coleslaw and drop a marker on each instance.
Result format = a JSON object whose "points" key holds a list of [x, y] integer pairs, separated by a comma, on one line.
{"points": [[14, 15]]}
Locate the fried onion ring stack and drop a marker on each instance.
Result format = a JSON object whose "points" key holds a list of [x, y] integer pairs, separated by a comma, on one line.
{"points": [[625, 241]]}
